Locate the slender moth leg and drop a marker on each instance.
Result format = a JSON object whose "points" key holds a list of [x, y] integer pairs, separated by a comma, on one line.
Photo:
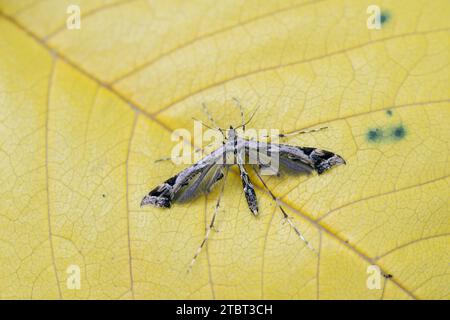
{"points": [[285, 215], [197, 150], [211, 224], [296, 132]]}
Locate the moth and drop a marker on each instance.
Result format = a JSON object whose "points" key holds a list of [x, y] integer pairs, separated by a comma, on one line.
{"points": [[203, 175]]}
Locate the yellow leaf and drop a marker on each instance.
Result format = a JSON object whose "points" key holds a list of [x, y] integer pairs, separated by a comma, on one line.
{"points": [[84, 113]]}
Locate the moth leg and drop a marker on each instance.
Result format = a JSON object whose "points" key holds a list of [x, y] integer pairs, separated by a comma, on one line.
{"points": [[211, 224], [219, 175], [296, 132], [285, 215], [197, 150], [166, 159]]}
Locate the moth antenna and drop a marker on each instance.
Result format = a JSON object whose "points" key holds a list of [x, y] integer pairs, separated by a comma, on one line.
{"points": [[238, 104], [211, 224], [204, 124], [285, 215], [250, 119], [208, 114]]}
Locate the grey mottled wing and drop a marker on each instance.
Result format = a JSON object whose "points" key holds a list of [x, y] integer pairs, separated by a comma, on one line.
{"points": [[201, 183], [188, 183], [297, 160]]}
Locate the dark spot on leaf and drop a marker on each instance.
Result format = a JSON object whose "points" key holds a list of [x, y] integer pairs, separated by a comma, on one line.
{"points": [[389, 112], [399, 132], [384, 17], [104, 195], [387, 134], [374, 135]]}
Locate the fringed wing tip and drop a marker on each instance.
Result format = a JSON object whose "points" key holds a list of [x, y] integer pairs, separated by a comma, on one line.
{"points": [[160, 202], [338, 160], [328, 163]]}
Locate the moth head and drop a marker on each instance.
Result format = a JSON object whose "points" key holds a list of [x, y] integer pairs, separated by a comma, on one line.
{"points": [[231, 133]]}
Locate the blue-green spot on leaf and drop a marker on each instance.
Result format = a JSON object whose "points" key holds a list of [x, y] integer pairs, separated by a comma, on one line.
{"points": [[384, 17], [374, 135], [398, 132], [386, 134]]}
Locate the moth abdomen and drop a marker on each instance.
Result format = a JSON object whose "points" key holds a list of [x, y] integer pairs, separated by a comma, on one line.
{"points": [[249, 190], [252, 202]]}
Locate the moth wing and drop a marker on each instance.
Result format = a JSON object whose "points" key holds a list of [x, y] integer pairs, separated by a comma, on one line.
{"points": [[303, 159], [293, 160], [184, 185], [217, 174], [200, 184]]}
